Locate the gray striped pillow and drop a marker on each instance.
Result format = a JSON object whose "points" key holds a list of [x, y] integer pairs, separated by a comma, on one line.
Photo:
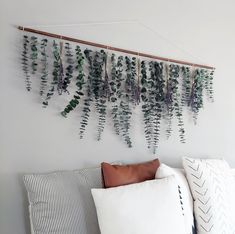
{"points": [[61, 202]]}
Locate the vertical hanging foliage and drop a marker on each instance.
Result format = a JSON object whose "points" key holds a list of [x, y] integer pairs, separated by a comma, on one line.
{"points": [[55, 73], [68, 70], [186, 86], [152, 95], [124, 118], [137, 90], [88, 95], [174, 72], [208, 82], [174, 107], [114, 85], [169, 101], [132, 87], [80, 82], [196, 101], [59, 67], [101, 89], [145, 85], [34, 53], [210, 88], [25, 61], [158, 103], [129, 97], [115, 90], [44, 75]]}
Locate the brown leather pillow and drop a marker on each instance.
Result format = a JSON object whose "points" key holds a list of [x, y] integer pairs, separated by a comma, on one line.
{"points": [[117, 175]]}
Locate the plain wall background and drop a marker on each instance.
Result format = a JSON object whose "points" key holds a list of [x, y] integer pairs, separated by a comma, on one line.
{"points": [[35, 140]]}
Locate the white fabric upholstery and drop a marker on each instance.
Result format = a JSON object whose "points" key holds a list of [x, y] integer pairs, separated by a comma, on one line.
{"points": [[185, 194], [233, 171], [150, 207], [61, 202], [213, 189]]}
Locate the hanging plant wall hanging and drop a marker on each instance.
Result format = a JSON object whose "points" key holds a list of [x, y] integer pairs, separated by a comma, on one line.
{"points": [[113, 85]]}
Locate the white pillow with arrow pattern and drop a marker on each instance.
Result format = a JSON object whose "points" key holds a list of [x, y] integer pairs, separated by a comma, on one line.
{"points": [[213, 188]]}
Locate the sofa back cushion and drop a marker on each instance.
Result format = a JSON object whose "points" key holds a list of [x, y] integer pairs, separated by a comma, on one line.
{"points": [[61, 202]]}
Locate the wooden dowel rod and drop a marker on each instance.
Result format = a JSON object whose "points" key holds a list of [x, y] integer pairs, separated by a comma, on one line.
{"points": [[111, 47]]}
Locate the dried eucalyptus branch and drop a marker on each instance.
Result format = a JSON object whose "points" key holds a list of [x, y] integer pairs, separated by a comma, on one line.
{"points": [[25, 62]]}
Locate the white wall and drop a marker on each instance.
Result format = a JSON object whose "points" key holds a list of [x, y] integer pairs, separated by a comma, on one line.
{"points": [[35, 140]]}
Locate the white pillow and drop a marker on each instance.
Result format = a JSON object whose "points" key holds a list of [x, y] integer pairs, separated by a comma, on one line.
{"points": [[142, 208], [185, 194], [213, 189], [233, 172]]}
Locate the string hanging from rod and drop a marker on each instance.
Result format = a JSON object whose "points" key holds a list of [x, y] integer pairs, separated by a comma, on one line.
{"points": [[125, 21], [111, 22], [84, 42], [83, 23]]}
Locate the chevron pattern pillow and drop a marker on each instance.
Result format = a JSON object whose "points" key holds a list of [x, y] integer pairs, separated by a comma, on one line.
{"points": [[213, 189]]}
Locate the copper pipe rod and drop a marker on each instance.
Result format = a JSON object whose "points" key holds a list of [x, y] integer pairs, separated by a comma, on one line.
{"points": [[111, 48]]}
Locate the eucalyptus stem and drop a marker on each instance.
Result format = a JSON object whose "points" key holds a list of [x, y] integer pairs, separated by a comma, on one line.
{"points": [[60, 76], [34, 53], [88, 95], [169, 102], [186, 85], [44, 62], [131, 82], [101, 92], [85, 116], [197, 93], [25, 62], [211, 90], [127, 98], [56, 73], [80, 83], [208, 83], [158, 103], [125, 117], [174, 104], [115, 87], [69, 69], [146, 109]]}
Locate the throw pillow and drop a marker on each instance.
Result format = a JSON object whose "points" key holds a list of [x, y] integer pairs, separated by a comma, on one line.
{"points": [[117, 175], [61, 202], [150, 207], [212, 186], [184, 193]]}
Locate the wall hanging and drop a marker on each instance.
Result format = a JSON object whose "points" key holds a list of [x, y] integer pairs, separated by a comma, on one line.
{"points": [[114, 81]]}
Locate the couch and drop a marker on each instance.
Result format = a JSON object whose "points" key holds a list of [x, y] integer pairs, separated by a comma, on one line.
{"points": [[61, 202]]}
